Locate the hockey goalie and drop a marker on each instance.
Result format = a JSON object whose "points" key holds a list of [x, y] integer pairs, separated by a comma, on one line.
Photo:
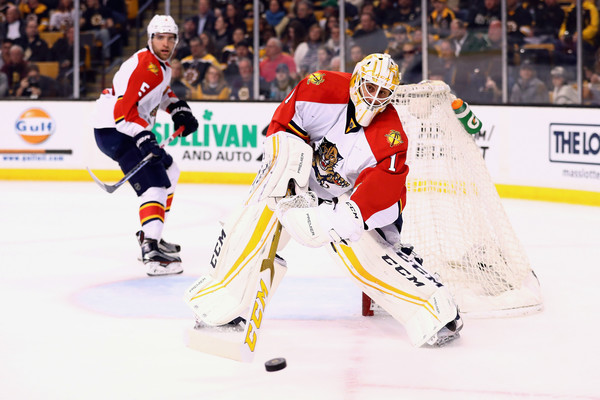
{"points": [[333, 175]]}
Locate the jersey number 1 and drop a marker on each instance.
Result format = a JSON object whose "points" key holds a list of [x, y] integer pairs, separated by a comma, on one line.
{"points": [[393, 163]]}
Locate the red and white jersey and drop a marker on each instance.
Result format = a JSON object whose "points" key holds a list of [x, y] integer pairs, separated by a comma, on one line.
{"points": [[140, 88], [368, 162]]}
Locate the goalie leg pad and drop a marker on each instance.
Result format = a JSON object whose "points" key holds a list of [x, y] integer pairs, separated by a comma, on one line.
{"points": [[399, 284], [244, 242]]}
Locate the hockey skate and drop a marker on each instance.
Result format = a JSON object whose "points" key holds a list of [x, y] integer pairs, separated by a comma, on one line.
{"points": [[447, 334], [165, 247], [157, 261]]}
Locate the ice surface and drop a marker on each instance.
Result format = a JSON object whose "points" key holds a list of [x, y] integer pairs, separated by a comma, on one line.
{"points": [[79, 319]]}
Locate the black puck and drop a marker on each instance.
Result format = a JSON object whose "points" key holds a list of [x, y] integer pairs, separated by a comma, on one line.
{"points": [[275, 364]]}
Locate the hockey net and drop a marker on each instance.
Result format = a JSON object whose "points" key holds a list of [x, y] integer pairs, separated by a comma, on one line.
{"points": [[454, 217]]}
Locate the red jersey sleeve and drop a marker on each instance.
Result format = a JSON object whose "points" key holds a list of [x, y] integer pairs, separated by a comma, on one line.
{"points": [[146, 76], [327, 87]]}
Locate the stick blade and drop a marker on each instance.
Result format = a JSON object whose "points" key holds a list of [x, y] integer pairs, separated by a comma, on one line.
{"points": [[99, 182]]}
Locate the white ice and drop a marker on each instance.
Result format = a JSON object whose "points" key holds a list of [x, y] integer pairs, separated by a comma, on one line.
{"points": [[79, 318]]}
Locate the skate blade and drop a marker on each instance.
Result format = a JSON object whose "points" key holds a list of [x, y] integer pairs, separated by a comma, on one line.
{"points": [[158, 269]]}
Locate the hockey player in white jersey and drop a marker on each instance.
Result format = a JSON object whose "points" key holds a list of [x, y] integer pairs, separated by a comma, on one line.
{"points": [[342, 150], [125, 115]]}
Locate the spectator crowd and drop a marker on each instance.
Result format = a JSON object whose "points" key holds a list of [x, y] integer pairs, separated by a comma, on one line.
{"points": [[214, 56]]}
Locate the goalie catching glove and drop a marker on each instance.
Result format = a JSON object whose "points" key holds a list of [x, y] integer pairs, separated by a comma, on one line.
{"points": [[181, 114], [315, 226]]}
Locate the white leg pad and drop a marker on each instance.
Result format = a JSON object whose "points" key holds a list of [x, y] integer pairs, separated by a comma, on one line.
{"points": [[398, 284], [227, 292]]}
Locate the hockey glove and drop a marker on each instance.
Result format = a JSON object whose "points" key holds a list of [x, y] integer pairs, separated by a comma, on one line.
{"points": [[146, 142], [181, 114]]}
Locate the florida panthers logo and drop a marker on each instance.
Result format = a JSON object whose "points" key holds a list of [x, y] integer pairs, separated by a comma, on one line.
{"points": [[325, 159], [316, 78]]}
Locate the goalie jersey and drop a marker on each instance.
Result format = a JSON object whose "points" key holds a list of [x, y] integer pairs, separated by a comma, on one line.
{"points": [[367, 162]]}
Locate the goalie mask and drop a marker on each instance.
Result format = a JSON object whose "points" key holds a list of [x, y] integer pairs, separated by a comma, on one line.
{"points": [[372, 86], [162, 24]]}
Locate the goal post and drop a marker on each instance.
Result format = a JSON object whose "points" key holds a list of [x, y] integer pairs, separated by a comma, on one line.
{"points": [[454, 216]]}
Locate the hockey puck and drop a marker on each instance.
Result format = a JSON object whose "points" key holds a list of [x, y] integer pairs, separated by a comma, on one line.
{"points": [[275, 364]]}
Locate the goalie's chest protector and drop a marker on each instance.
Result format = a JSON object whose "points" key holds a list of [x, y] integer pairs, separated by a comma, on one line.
{"points": [[342, 148]]}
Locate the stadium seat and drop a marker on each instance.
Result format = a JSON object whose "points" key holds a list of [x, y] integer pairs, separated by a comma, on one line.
{"points": [[48, 68], [50, 37]]}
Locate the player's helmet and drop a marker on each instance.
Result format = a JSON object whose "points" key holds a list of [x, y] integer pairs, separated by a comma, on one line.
{"points": [[381, 71], [162, 24]]}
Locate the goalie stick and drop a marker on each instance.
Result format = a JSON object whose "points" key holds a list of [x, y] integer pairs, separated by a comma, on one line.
{"points": [[134, 170], [218, 340]]}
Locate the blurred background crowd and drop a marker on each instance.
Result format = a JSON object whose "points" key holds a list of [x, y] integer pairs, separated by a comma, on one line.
{"points": [[537, 57]]}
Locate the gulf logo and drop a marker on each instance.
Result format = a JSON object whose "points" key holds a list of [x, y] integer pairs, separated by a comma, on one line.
{"points": [[35, 125]]}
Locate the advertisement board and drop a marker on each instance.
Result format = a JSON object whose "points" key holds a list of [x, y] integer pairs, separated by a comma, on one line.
{"points": [[554, 148]]}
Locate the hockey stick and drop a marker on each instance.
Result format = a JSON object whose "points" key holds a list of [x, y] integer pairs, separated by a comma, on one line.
{"points": [[225, 341], [134, 170]]}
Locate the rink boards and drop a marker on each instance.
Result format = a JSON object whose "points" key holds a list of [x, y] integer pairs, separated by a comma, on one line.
{"points": [[545, 153]]}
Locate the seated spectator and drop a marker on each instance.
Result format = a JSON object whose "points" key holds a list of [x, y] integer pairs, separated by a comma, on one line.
{"points": [[336, 63], [589, 30], [35, 48], [518, 23], [276, 16], [39, 10], [529, 89], [63, 16], [98, 19], [222, 35], [14, 27], [3, 85], [242, 86], [179, 86], [209, 44], [369, 36], [283, 83], [386, 14], [228, 51], [411, 64], [242, 50], [482, 14], [62, 51], [36, 86], [293, 35], [563, 92], [196, 64], [304, 14], [205, 18], [399, 36], [5, 52], [235, 16], [440, 19], [333, 43], [356, 55], [305, 56], [273, 57], [185, 35], [409, 13], [323, 59], [213, 87], [16, 68], [548, 17]]}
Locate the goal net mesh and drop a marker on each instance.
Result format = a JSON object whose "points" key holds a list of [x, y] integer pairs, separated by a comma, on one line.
{"points": [[454, 216]]}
